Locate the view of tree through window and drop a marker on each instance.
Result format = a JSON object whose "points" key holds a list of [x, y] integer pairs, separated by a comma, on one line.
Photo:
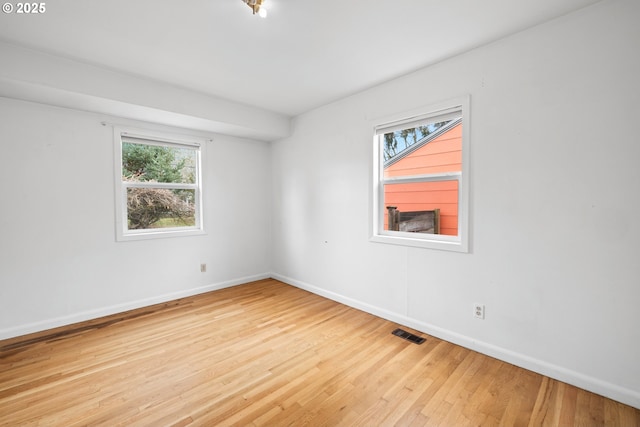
{"points": [[398, 141], [159, 181]]}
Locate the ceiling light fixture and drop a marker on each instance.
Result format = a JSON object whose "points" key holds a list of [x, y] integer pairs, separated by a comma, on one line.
{"points": [[257, 6]]}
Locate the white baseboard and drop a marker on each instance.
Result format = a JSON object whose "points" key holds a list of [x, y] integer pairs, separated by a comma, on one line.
{"points": [[560, 373], [119, 308]]}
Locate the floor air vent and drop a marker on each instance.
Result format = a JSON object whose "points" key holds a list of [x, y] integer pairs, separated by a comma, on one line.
{"points": [[408, 336]]}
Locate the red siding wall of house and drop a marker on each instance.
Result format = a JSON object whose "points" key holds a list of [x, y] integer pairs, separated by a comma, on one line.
{"points": [[443, 154]]}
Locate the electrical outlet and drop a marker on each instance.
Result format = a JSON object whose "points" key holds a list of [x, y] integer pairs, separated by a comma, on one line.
{"points": [[478, 311], [203, 268]]}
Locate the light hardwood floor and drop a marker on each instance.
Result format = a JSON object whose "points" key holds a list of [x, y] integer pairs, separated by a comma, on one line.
{"points": [[268, 354]]}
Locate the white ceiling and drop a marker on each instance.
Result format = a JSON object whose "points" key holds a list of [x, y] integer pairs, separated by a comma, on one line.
{"points": [[304, 54]]}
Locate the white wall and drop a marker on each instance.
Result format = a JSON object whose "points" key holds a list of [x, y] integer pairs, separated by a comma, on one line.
{"points": [[59, 260], [555, 203]]}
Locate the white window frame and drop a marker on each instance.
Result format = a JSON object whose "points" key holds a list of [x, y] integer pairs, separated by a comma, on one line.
{"points": [[431, 113], [164, 140]]}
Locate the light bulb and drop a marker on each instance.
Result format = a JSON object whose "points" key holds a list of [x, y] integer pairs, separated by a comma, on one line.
{"points": [[262, 12]]}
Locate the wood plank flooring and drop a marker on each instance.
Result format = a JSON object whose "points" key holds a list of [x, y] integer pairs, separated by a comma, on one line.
{"points": [[268, 354]]}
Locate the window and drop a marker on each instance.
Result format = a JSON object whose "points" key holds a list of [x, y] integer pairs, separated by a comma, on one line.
{"points": [[420, 190], [158, 186]]}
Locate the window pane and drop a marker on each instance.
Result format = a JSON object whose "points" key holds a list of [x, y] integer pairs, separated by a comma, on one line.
{"points": [[149, 208], [156, 163], [415, 207], [430, 149]]}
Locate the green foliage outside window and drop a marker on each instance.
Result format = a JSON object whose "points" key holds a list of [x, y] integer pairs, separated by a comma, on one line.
{"points": [[155, 207], [396, 142]]}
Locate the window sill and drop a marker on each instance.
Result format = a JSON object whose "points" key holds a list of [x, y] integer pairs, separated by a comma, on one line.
{"points": [[149, 234], [426, 243]]}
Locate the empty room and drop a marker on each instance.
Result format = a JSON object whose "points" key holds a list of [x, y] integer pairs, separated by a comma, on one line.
{"points": [[320, 213]]}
